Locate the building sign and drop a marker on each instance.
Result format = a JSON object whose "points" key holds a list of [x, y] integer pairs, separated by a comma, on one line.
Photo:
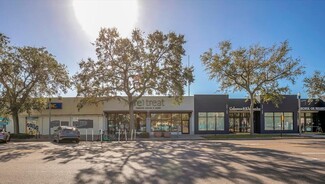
{"points": [[149, 104], [4, 121], [55, 106], [243, 109], [312, 108]]}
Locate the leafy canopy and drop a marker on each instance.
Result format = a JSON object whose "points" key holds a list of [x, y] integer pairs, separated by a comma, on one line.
{"points": [[315, 85], [27, 74], [256, 70], [136, 66]]}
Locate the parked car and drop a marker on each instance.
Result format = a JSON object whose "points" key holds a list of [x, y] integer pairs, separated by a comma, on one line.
{"points": [[4, 135], [66, 133]]}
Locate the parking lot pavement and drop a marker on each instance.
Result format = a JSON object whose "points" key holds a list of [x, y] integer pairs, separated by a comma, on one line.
{"points": [[199, 161]]}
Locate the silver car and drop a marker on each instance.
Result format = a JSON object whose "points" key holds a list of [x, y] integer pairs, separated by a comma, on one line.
{"points": [[66, 133], [4, 135]]}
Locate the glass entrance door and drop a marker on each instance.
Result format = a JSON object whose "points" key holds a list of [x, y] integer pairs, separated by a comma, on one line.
{"points": [[239, 122], [185, 126]]}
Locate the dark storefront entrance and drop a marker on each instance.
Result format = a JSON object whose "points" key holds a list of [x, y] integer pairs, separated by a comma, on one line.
{"points": [[239, 122], [311, 122]]}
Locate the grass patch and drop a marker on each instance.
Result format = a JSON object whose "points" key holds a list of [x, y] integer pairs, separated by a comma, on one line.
{"points": [[246, 136]]}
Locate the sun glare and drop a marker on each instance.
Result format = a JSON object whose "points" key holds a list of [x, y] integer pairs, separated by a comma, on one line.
{"points": [[94, 14]]}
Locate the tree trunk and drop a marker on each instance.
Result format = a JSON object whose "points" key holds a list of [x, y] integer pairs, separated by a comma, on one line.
{"points": [[251, 112], [16, 122], [131, 112]]}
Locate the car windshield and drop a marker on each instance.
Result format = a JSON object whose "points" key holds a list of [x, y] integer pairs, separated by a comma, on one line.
{"points": [[68, 130]]}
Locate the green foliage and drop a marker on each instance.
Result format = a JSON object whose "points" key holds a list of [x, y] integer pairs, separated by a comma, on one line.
{"points": [[27, 74], [256, 70], [143, 135], [315, 85], [248, 136], [135, 66], [21, 136]]}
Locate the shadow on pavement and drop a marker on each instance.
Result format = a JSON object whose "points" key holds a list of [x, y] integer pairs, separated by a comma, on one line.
{"points": [[20, 150], [187, 162]]}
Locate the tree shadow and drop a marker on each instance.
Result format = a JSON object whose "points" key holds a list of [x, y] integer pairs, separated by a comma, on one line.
{"points": [[21, 149], [187, 162]]}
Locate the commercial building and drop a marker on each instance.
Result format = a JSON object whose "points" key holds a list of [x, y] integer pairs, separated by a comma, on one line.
{"points": [[198, 114]]}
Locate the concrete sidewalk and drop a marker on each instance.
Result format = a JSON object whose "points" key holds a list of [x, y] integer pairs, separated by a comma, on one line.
{"points": [[172, 138]]}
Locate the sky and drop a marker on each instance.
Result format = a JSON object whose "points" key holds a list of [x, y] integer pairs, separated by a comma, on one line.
{"points": [[68, 27]]}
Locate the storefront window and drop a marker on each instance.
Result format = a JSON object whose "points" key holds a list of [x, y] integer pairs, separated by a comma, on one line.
{"points": [[269, 121], [278, 121], [220, 121], [121, 121], [170, 122], [288, 121], [202, 121], [211, 121]]}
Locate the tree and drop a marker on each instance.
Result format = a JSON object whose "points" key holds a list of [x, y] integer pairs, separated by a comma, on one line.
{"points": [[27, 74], [315, 85], [255, 70], [133, 67]]}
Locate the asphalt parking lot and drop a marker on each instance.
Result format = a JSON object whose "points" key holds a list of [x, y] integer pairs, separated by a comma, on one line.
{"points": [[199, 161]]}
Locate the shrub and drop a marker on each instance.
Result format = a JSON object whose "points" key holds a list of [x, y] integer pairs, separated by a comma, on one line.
{"points": [[143, 135], [21, 136]]}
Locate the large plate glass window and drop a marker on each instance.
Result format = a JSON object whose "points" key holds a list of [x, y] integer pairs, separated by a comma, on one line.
{"points": [[211, 121]]}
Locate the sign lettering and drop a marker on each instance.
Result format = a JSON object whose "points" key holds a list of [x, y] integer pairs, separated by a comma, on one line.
{"points": [[149, 104], [312, 108], [242, 109]]}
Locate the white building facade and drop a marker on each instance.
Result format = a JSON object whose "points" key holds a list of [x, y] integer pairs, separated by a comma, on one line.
{"points": [[156, 113]]}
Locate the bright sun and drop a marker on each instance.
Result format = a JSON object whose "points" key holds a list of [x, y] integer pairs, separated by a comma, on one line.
{"points": [[94, 14]]}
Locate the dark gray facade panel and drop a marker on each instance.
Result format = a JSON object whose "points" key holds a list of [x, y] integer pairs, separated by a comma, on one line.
{"points": [[240, 103], [211, 103], [222, 103], [288, 104]]}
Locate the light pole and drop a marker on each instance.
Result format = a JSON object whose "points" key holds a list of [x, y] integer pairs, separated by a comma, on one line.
{"points": [[299, 120], [50, 106]]}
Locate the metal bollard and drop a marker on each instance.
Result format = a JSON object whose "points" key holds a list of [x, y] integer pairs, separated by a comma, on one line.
{"points": [[119, 135], [92, 135], [86, 135]]}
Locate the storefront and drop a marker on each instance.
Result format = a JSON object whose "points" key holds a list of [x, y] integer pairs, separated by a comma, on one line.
{"points": [[63, 111], [211, 114], [152, 114], [198, 114], [312, 115], [239, 116], [217, 114]]}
